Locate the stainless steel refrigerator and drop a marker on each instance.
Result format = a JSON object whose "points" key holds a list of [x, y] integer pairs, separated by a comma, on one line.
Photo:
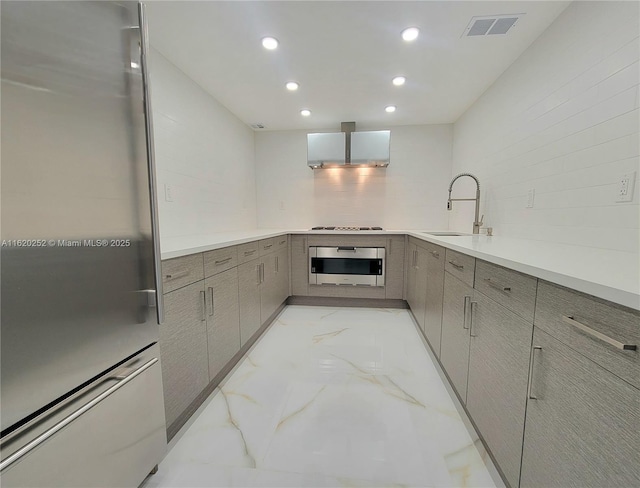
{"points": [[81, 387]]}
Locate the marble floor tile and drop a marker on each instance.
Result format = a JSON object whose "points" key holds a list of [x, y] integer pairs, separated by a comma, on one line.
{"points": [[330, 397]]}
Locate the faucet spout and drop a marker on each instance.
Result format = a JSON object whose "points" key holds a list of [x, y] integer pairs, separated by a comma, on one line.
{"points": [[478, 222]]}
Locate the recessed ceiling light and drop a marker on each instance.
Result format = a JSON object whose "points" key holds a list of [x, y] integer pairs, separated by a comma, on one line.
{"points": [[399, 80], [410, 33], [270, 42], [292, 85], [305, 112], [390, 108]]}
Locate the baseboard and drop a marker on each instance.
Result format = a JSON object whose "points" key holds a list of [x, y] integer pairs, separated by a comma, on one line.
{"points": [[184, 417], [347, 302], [492, 467]]}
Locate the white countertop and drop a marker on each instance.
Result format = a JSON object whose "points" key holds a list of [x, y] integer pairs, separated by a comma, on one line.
{"points": [[611, 275], [175, 247]]}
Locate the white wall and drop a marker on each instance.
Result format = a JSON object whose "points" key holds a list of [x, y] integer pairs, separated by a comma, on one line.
{"points": [[562, 120], [410, 194], [204, 153]]}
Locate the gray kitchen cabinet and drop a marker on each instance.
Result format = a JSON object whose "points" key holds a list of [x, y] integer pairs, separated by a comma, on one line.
{"points": [[434, 297], [282, 275], [223, 319], [249, 281], [394, 277], [497, 382], [581, 424], [268, 287], [183, 347], [417, 283], [299, 265], [454, 345]]}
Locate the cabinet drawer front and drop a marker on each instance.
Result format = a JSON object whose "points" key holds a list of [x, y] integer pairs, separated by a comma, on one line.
{"points": [[180, 272], [513, 290], [248, 251], [220, 260], [267, 245], [435, 251], [589, 325], [281, 242], [460, 265]]}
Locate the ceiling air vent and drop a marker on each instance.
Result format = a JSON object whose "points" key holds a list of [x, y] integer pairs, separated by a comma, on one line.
{"points": [[257, 126], [490, 25]]}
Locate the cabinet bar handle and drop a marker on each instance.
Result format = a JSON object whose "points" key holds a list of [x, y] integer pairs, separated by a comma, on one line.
{"points": [[259, 275], [203, 305], [346, 248], [211, 299], [249, 253], [277, 265], [222, 261], [531, 366], [467, 300], [268, 247], [73, 416], [474, 305], [282, 242], [175, 276], [415, 259], [435, 254], [456, 265], [496, 286], [261, 272], [594, 333]]}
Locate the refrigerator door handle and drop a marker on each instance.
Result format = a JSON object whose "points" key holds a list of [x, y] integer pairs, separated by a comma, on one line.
{"points": [[16, 456], [153, 187]]}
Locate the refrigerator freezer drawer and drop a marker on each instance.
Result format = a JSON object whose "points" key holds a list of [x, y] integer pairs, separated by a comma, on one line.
{"points": [[115, 442]]}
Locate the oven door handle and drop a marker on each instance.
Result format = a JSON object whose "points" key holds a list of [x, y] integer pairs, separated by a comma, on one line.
{"points": [[346, 248]]}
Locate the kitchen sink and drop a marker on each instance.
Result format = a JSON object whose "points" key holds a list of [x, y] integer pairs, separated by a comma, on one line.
{"points": [[444, 234]]}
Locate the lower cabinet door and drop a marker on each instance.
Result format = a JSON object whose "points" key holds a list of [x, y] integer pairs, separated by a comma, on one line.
{"points": [[582, 426], [417, 283], [498, 374], [223, 319], [249, 277], [433, 306], [183, 346], [454, 346], [411, 277], [299, 266], [268, 287], [282, 276]]}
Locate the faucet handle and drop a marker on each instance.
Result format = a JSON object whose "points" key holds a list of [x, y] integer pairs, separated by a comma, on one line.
{"points": [[481, 221]]}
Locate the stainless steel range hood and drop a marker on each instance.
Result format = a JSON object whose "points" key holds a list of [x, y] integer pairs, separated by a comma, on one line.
{"points": [[348, 149]]}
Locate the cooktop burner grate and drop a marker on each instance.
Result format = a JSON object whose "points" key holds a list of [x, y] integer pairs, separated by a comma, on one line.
{"points": [[351, 228]]}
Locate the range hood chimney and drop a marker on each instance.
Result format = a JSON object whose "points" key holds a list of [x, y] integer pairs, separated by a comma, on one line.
{"points": [[347, 128], [348, 149]]}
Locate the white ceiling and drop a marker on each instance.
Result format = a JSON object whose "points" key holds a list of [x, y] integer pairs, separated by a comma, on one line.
{"points": [[344, 55]]}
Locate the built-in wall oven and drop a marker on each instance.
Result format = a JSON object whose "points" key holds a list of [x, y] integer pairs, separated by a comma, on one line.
{"points": [[346, 265]]}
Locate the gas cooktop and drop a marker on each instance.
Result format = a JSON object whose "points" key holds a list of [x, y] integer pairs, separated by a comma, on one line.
{"points": [[346, 228]]}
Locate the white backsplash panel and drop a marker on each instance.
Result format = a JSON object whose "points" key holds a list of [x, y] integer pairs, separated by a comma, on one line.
{"points": [[411, 193], [562, 121], [204, 158]]}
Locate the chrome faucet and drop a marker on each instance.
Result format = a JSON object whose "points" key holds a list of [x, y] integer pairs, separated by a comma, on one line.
{"points": [[479, 221]]}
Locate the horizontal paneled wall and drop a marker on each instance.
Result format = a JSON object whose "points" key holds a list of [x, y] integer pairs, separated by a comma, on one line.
{"points": [[204, 157], [409, 194], [562, 121]]}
